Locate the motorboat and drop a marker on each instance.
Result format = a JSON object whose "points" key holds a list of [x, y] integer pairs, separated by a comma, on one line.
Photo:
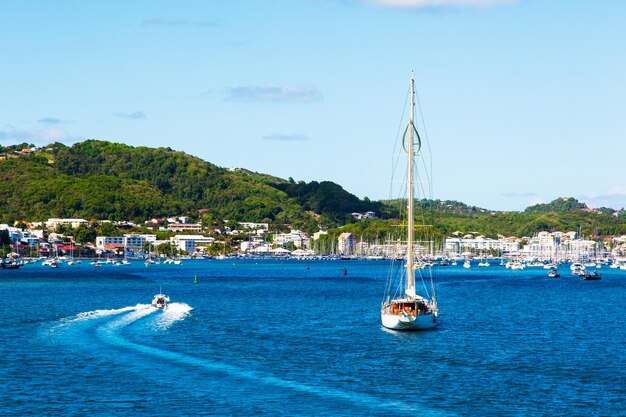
{"points": [[591, 276], [160, 301], [554, 273], [11, 264]]}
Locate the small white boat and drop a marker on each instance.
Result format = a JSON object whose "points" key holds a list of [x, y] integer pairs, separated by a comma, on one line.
{"points": [[577, 269], [517, 265], [52, 263], [160, 301]]}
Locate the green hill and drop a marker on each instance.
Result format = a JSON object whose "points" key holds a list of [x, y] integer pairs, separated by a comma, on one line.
{"points": [[103, 180], [560, 205]]}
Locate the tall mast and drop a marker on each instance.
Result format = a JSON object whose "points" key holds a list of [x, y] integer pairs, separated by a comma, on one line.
{"points": [[410, 271]]}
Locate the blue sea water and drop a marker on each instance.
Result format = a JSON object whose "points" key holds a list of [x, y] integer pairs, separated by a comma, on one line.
{"points": [[297, 338]]}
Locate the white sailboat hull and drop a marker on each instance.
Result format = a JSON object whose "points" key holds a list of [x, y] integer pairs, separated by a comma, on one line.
{"points": [[401, 322]]}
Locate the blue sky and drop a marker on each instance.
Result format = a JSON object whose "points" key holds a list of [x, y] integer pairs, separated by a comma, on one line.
{"points": [[524, 101]]}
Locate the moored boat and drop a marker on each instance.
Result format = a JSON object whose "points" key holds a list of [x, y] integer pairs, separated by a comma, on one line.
{"points": [[11, 264], [591, 276], [554, 273], [577, 269]]}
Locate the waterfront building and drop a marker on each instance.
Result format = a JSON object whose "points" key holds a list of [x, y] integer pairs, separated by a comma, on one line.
{"points": [[253, 242], [109, 242], [475, 245], [261, 250], [188, 243], [346, 243], [132, 242], [298, 238], [137, 242]]}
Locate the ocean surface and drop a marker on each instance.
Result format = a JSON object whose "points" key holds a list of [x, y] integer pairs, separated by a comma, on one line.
{"points": [[298, 338]]}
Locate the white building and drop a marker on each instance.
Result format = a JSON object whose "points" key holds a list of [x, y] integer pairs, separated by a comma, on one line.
{"points": [[363, 216], [346, 243], [480, 244], [188, 243], [319, 233], [298, 238], [184, 227], [133, 242], [54, 223], [254, 242], [108, 242], [254, 226], [137, 242]]}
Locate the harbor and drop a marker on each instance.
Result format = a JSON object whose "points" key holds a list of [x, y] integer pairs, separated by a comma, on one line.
{"points": [[289, 338]]}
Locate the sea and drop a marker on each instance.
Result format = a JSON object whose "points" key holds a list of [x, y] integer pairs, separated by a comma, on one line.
{"points": [[303, 338]]}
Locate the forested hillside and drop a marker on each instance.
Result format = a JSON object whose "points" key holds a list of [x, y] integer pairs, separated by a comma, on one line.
{"points": [[103, 180]]}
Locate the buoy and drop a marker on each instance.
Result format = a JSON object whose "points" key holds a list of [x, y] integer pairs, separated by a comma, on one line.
{"points": [[195, 280]]}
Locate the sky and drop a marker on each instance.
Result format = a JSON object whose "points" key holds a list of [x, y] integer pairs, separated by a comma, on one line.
{"points": [[523, 101]]}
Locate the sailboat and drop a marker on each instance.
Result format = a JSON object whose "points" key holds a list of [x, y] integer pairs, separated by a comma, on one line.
{"points": [[402, 307]]}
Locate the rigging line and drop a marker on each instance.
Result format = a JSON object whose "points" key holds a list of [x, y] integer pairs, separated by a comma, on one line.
{"points": [[419, 107], [395, 146], [420, 202], [423, 282]]}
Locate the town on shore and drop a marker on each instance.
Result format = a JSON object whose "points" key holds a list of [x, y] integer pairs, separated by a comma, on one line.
{"points": [[178, 237]]}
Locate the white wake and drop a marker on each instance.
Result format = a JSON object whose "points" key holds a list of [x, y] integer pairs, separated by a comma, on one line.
{"points": [[96, 314], [175, 312]]}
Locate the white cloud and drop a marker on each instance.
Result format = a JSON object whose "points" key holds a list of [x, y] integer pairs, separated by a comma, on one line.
{"points": [[535, 201], [291, 137], [273, 93], [137, 115], [614, 198], [50, 121], [205, 23], [422, 4], [519, 194], [44, 136]]}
